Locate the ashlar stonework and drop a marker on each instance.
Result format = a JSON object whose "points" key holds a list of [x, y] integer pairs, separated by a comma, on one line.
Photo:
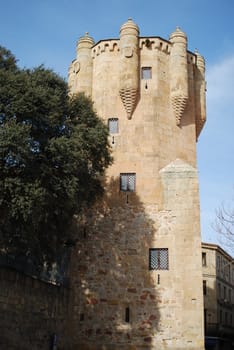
{"points": [[136, 268]]}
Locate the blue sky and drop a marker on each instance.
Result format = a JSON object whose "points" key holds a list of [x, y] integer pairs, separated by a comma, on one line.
{"points": [[46, 31]]}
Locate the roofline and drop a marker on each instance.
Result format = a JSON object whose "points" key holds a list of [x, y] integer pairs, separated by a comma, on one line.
{"points": [[218, 248]]}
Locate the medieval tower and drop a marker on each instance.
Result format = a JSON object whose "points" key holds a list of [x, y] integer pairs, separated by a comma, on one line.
{"points": [[137, 264]]}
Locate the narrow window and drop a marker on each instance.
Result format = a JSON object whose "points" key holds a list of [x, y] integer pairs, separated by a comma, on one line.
{"points": [[113, 125], [81, 317], [220, 316], [229, 272], [219, 290], [203, 259], [146, 73], [226, 318], [224, 292], [127, 314], [127, 182], [204, 287], [205, 319], [218, 263], [158, 259]]}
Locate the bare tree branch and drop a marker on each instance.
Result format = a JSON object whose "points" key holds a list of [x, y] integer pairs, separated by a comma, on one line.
{"points": [[224, 224]]}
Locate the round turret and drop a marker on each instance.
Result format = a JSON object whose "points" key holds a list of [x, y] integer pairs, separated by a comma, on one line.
{"points": [[129, 28], [200, 96], [81, 70], [178, 36], [179, 73], [200, 60], [84, 42], [129, 66]]}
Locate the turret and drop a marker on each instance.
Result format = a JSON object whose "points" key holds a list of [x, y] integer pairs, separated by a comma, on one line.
{"points": [[129, 66], [81, 69], [179, 73], [200, 94]]}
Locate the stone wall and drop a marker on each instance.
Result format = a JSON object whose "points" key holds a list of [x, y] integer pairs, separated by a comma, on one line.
{"points": [[32, 312]]}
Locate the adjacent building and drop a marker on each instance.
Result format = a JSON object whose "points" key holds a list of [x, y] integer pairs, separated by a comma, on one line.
{"points": [[136, 270], [218, 291]]}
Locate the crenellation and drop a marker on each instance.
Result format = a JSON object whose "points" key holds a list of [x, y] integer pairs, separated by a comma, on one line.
{"points": [[105, 46], [156, 43], [113, 45]]}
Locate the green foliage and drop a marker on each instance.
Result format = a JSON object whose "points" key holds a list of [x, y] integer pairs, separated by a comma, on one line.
{"points": [[53, 152]]}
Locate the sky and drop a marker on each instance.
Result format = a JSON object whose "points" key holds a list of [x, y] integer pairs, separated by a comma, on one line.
{"points": [[45, 32]]}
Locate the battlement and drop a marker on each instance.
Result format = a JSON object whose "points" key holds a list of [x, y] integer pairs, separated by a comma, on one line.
{"points": [[154, 42], [111, 45], [105, 46], [123, 61]]}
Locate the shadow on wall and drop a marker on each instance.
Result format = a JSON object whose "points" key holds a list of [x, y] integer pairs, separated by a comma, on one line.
{"points": [[116, 297], [218, 324], [31, 312]]}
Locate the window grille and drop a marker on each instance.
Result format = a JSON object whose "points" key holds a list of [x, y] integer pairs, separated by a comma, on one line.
{"points": [[127, 182], [146, 73], [113, 125], [158, 259]]}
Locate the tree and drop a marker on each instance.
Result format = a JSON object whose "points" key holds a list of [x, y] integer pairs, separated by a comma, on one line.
{"points": [[53, 152], [224, 225]]}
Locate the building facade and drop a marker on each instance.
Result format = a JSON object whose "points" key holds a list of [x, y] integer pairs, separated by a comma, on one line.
{"points": [[136, 270], [218, 291]]}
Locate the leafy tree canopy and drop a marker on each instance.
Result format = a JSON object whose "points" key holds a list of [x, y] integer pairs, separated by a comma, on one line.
{"points": [[53, 151]]}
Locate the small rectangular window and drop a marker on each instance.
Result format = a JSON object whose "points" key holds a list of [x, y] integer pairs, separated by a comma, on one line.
{"points": [[158, 259], [204, 287], [230, 296], [226, 318], [127, 314], [127, 182], [224, 292], [146, 73], [218, 263], [113, 125], [220, 316], [203, 259]]}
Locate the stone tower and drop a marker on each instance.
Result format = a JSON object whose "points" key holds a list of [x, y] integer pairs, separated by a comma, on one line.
{"points": [[137, 277]]}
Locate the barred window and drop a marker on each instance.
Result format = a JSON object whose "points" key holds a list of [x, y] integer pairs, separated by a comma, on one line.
{"points": [[113, 125], [158, 259], [146, 73], [127, 182]]}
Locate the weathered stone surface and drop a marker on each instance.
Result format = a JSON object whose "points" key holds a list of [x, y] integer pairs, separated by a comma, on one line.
{"points": [[156, 139], [31, 312]]}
